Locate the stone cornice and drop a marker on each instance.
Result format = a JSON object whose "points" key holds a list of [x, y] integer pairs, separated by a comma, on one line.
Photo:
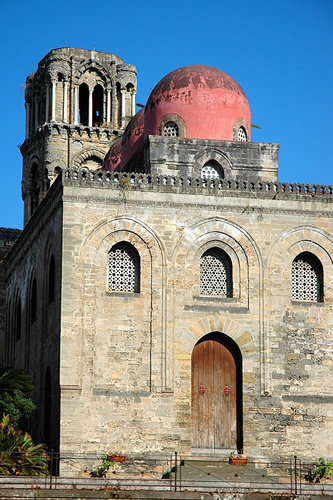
{"points": [[210, 187], [45, 130]]}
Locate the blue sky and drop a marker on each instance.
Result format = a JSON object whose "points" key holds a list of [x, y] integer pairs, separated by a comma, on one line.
{"points": [[279, 51]]}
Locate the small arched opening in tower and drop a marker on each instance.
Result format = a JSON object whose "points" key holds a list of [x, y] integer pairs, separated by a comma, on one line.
{"points": [[129, 101], [83, 104], [34, 193], [119, 104], [98, 105]]}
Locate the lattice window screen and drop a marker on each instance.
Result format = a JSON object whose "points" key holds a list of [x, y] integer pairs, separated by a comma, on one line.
{"points": [[241, 134], [171, 129], [215, 273], [211, 171], [306, 278], [123, 273]]}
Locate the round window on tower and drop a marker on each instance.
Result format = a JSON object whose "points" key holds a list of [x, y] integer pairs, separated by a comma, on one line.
{"points": [[241, 134], [171, 130]]}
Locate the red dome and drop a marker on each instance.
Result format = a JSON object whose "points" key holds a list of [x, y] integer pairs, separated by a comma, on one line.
{"points": [[113, 157], [210, 103], [133, 137]]}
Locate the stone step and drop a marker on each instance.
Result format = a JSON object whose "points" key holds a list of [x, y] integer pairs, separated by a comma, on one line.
{"points": [[212, 470]]}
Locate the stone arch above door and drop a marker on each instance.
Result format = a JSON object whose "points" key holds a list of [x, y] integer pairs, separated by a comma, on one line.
{"points": [[238, 333]]}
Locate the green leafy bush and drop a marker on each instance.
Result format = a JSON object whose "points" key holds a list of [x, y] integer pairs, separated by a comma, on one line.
{"points": [[102, 470], [19, 456], [321, 469], [15, 386], [16, 405]]}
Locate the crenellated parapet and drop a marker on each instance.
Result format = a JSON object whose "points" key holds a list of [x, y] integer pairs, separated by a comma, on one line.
{"points": [[128, 181]]}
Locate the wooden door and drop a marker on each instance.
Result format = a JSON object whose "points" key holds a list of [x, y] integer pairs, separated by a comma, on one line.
{"points": [[213, 396]]}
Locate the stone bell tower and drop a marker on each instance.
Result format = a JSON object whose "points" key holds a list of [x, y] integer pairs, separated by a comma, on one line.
{"points": [[76, 103]]}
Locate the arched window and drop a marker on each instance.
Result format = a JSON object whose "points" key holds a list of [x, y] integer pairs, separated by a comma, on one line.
{"points": [[211, 170], [51, 280], [129, 100], [18, 315], [123, 273], [171, 129], [33, 303], [34, 193], [83, 104], [215, 273], [241, 134], [47, 407], [97, 105], [307, 278], [171, 125], [92, 163], [119, 103]]}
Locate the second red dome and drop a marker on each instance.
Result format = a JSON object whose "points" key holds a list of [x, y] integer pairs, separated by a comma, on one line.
{"points": [[199, 102]]}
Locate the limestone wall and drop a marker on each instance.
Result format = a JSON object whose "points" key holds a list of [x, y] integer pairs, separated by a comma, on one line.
{"points": [[125, 362], [184, 157], [33, 345]]}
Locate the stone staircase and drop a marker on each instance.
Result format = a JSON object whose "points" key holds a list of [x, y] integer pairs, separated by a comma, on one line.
{"points": [[192, 470]]}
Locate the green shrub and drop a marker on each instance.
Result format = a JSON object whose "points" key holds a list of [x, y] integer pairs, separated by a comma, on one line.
{"points": [[15, 386], [102, 470], [19, 456], [321, 469]]}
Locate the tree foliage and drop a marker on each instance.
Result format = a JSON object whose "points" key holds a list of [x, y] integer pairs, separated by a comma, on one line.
{"points": [[16, 405], [19, 456], [11, 380], [15, 386]]}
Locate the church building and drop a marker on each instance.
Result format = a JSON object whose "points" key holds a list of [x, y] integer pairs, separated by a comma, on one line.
{"points": [[167, 292]]}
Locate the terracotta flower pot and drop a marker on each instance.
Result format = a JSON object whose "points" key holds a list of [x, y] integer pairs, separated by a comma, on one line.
{"points": [[238, 460], [116, 458]]}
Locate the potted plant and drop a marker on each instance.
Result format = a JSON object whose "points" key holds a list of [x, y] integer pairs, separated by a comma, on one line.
{"points": [[116, 456], [103, 469], [238, 458]]}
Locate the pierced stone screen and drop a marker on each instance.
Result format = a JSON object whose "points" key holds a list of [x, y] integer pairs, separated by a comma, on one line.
{"points": [[123, 269], [211, 171], [305, 278], [215, 273], [241, 135], [171, 129]]}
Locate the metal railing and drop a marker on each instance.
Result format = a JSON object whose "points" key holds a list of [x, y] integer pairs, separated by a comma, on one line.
{"points": [[177, 473]]}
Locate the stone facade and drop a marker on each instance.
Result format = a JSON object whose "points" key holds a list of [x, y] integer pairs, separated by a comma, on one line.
{"points": [[7, 239], [33, 312], [133, 351], [112, 367]]}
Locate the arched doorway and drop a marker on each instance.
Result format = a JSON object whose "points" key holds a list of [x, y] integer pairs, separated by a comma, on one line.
{"points": [[217, 393]]}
